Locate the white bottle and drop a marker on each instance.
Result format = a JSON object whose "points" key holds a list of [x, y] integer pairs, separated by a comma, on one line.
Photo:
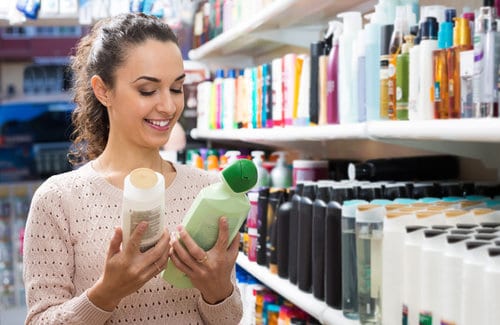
{"points": [[351, 19], [143, 200], [229, 93], [427, 46], [281, 175], [262, 174]]}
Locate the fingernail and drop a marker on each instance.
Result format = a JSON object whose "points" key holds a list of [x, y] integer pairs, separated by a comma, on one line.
{"points": [[143, 225], [224, 220]]}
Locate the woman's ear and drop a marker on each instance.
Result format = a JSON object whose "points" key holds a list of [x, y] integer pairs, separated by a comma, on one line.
{"points": [[101, 91]]}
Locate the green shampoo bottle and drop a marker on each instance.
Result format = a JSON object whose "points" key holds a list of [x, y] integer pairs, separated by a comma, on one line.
{"points": [[225, 198]]}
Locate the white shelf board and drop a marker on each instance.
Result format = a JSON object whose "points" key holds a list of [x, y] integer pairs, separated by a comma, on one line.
{"points": [[460, 130], [244, 37], [463, 130], [286, 134], [306, 301]]}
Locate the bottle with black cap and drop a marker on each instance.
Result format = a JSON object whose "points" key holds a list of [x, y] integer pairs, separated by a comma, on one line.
{"points": [[318, 239], [276, 198], [283, 238], [304, 239], [438, 167], [395, 190], [333, 242], [422, 190], [428, 45], [385, 71], [294, 232]]}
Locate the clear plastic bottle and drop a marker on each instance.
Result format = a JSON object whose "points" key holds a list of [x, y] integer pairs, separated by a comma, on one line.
{"points": [[144, 200], [369, 234]]}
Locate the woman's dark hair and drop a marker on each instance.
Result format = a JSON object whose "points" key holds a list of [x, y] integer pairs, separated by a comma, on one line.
{"points": [[101, 52]]}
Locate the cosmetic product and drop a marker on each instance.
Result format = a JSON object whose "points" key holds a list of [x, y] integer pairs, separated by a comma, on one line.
{"points": [[386, 73], [333, 245], [318, 246], [225, 198], [283, 216], [267, 96], [461, 42], [428, 44], [144, 200], [412, 279], [277, 91], [491, 283], [263, 224], [303, 103], [450, 279], [332, 75], [430, 268], [372, 70], [281, 175], [276, 198], [229, 98], [262, 174], [484, 86], [359, 59], [316, 50], [402, 78], [252, 225], [393, 264], [441, 64], [369, 234], [473, 304], [414, 77], [294, 232], [349, 259], [219, 98], [353, 20], [289, 70], [304, 239]]}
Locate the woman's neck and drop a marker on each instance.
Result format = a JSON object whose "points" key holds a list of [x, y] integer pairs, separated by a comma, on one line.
{"points": [[115, 166]]}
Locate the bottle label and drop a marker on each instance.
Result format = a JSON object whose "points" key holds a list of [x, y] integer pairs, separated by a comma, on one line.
{"points": [[425, 318], [152, 217]]}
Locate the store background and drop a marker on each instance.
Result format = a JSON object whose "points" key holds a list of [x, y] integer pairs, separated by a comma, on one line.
{"points": [[34, 84]]}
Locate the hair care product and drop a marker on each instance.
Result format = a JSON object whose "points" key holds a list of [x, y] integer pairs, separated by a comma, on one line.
{"points": [[304, 245], [283, 225], [318, 246], [294, 232], [428, 44], [225, 198], [349, 260], [144, 200], [281, 175]]}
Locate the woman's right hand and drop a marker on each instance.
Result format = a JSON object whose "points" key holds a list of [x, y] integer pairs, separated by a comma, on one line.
{"points": [[127, 269]]}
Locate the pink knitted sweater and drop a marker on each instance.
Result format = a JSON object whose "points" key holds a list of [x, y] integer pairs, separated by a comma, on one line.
{"points": [[70, 224]]}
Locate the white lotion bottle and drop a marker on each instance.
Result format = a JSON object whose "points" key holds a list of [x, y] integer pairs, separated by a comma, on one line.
{"points": [[143, 200]]}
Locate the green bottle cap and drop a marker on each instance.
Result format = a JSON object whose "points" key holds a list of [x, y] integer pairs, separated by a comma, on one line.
{"points": [[240, 176]]}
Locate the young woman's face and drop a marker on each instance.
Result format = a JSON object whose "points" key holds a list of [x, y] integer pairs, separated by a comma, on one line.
{"points": [[147, 99]]}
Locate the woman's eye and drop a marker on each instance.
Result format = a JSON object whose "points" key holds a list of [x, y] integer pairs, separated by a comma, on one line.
{"points": [[146, 93], [176, 91]]}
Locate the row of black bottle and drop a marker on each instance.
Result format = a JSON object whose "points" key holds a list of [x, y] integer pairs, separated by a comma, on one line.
{"points": [[299, 229]]}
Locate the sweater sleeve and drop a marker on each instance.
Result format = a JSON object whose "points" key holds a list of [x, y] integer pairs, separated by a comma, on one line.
{"points": [[229, 311], [49, 266]]}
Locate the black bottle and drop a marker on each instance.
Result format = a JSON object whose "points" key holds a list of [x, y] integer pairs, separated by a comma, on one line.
{"points": [[333, 245], [304, 239], [276, 198], [262, 225], [318, 240], [294, 232], [404, 169], [369, 192], [283, 239]]}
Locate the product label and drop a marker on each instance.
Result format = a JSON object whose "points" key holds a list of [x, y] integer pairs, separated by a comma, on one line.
{"points": [[425, 318], [152, 217]]}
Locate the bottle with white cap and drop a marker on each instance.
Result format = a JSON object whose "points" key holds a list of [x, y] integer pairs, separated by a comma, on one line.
{"points": [[262, 174], [144, 200], [281, 175]]}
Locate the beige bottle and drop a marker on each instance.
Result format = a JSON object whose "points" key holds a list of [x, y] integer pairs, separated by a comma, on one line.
{"points": [[144, 200]]}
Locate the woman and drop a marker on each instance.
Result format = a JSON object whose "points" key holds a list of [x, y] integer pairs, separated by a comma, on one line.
{"points": [[128, 89]]}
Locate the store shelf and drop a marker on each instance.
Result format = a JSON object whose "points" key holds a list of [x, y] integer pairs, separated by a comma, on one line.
{"points": [[306, 301], [293, 22], [473, 138]]}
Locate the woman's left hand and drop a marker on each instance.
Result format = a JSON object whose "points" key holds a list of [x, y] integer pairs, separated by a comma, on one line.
{"points": [[210, 272]]}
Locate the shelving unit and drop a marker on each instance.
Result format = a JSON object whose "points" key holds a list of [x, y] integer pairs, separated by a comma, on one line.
{"points": [[306, 301], [290, 22], [473, 138], [295, 23]]}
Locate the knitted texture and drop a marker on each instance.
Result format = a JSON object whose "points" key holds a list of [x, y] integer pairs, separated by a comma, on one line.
{"points": [[70, 224]]}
